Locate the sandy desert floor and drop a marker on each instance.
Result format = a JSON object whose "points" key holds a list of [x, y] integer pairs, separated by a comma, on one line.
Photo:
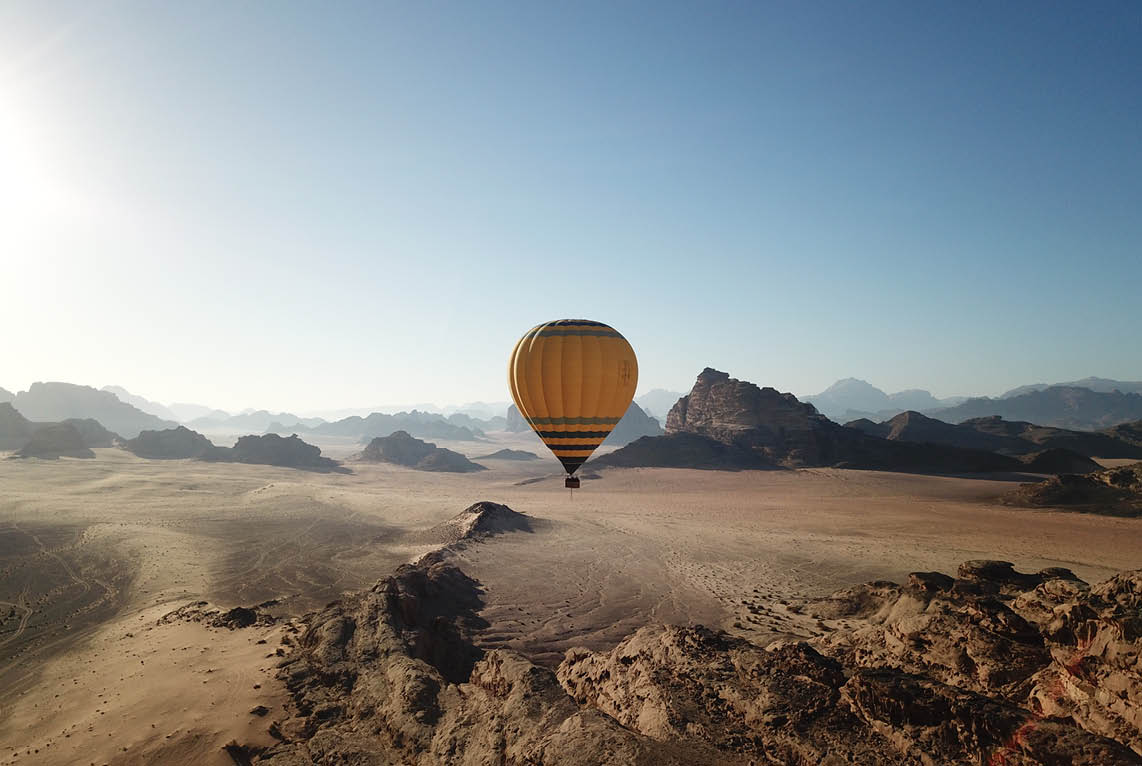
{"points": [[94, 552]]}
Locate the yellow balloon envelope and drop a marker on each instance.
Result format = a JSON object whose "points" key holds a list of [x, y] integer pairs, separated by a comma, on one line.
{"points": [[572, 380]]}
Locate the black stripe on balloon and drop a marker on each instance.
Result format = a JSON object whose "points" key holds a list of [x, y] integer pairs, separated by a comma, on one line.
{"points": [[573, 434], [571, 464]]}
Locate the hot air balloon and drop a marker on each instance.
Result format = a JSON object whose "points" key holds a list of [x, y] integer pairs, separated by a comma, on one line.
{"points": [[572, 380]]}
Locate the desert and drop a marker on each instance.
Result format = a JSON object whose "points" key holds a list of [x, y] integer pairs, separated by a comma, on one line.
{"points": [[99, 553]]}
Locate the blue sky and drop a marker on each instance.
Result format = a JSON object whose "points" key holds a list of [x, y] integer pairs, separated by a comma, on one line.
{"points": [[304, 206]]}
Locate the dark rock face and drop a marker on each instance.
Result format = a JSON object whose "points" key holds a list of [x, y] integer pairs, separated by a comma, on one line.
{"points": [[15, 429], [172, 444], [55, 440], [1131, 433], [60, 401], [1059, 406], [784, 432], [403, 449], [683, 450], [1111, 491], [1058, 460], [271, 449], [93, 433], [993, 666], [737, 412], [1107, 444], [914, 427], [510, 454]]}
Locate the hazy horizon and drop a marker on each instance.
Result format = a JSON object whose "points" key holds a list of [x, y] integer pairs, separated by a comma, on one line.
{"points": [[294, 209]]}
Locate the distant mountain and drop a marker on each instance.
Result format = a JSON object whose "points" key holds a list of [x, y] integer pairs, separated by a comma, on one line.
{"points": [[401, 448], [634, 424], [1103, 385], [184, 413], [477, 425], [59, 401], [658, 401], [429, 425], [1059, 406], [998, 435], [146, 405], [255, 420], [6, 395], [781, 431], [854, 398], [1106, 444], [15, 430]]}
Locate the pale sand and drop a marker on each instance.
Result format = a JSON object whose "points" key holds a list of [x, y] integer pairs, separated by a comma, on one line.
{"points": [[106, 546]]}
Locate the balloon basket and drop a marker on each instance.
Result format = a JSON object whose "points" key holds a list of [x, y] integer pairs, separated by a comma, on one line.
{"points": [[572, 482]]}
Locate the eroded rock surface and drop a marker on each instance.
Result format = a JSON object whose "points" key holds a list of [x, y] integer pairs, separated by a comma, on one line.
{"points": [[991, 666]]}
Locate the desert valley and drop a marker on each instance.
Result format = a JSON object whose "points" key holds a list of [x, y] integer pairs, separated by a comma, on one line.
{"points": [[392, 599]]}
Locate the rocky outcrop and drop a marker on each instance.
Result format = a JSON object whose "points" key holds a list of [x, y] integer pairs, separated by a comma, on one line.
{"points": [[15, 429], [93, 433], [1046, 642], [1111, 491], [6, 395], [271, 449], [170, 444], [59, 401], [1058, 460], [1107, 444], [402, 449], [392, 676], [1070, 407], [782, 431], [991, 666], [515, 422], [1131, 433], [55, 440], [634, 424], [478, 521], [510, 454], [913, 427], [683, 450]]}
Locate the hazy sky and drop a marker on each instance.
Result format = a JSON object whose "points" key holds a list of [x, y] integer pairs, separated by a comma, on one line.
{"points": [[317, 205]]}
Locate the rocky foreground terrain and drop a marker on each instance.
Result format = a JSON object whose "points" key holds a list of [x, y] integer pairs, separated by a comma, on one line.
{"points": [[1113, 492], [991, 666]]}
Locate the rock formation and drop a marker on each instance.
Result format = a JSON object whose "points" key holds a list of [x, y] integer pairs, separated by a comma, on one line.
{"points": [[271, 449], [683, 450], [402, 449], [170, 444], [634, 424], [59, 401], [1060, 406], [515, 422], [428, 425], [1112, 491], [510, 454], [1058, 460], [55, 440], [1106, 444], [93, 433], [6, 395], [993, 666], [1131, 433], [15, 429], [785, 432]]}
